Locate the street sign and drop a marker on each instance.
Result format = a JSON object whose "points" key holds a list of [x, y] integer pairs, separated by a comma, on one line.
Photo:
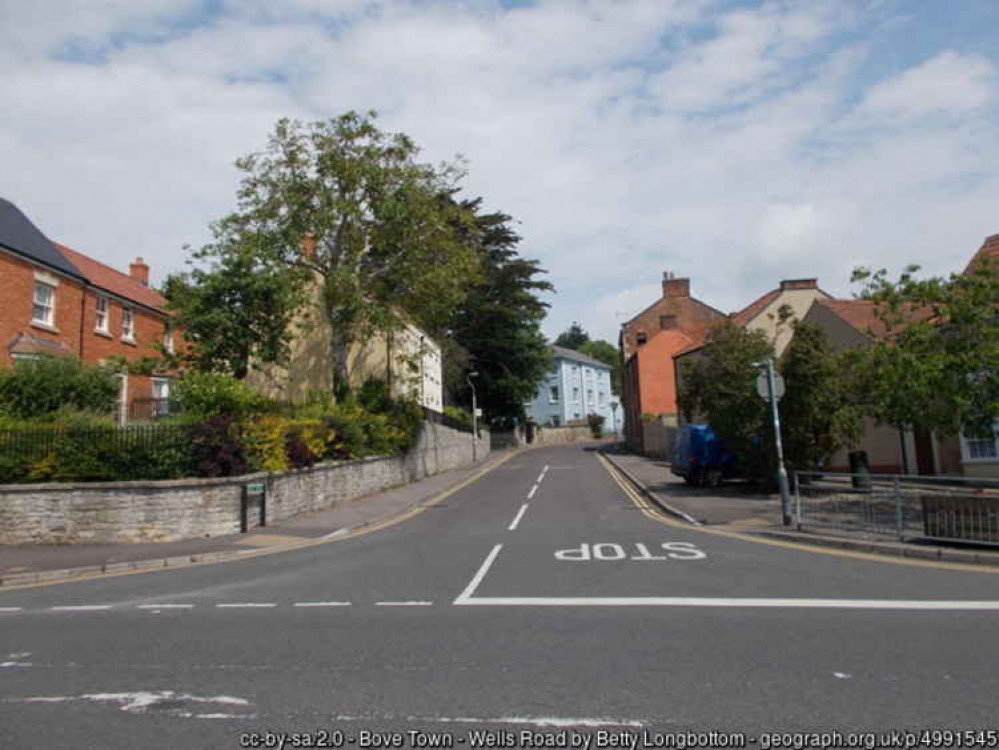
{"points": [[764, 391]]}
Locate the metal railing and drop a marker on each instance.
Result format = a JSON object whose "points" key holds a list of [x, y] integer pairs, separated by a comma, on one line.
{"points": [[902, 507], [147, 409]]}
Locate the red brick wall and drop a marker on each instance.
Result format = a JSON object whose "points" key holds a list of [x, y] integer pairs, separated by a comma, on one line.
{"points": [[694, 318], [17, 287], [96, 346]]}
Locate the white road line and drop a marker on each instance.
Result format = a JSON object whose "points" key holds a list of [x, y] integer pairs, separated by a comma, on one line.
{"points": [[165, 606], [653, 601], [246, 605], [530, 495], [520, 514], [10, 609], [322, 604], [403, 604], [81, 608], [541, 477], [465, 595]]}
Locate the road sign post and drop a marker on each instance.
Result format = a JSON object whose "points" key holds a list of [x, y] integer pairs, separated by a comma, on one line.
{"points": [[772, 392]]}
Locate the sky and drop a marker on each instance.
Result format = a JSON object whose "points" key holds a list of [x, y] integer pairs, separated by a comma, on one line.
{"points": [[735, 143]]}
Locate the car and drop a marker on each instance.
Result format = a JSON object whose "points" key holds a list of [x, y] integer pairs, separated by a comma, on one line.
{"points": [[701, 458]]}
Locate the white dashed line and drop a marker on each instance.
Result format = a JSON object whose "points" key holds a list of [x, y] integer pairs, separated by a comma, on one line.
{"points": [[465, 595], [246, 605], [322, 604], [403, 604], [81, 608], [530, 495], [165, 606], [10, 609], [520, 514]]}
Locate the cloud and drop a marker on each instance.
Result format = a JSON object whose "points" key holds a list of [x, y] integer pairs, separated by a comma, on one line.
{"points": [[737, 144]]}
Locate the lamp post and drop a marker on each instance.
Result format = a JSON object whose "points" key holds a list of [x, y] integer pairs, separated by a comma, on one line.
{"points": [[772, 395], [475, 412]]}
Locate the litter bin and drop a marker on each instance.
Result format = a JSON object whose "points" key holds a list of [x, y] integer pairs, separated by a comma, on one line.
{"points": [[860, 469]]}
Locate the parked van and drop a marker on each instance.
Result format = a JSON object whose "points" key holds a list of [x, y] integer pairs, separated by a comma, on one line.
{"points": [[700, 457]]}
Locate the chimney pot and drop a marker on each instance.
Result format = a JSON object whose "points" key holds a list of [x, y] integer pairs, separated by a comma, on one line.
{"points": [[138, 269]]}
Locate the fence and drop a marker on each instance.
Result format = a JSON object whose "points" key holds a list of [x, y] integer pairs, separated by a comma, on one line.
{"points": [[903, 507], [443, 419], [144, 451], [149, 409]]}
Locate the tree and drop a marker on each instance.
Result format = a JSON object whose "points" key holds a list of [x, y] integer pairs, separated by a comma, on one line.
{"points": [[352, 207], [938, 366], [496, 331], [606, 352], [820, 412], [573, 337], [237, 312], [719, 387]]}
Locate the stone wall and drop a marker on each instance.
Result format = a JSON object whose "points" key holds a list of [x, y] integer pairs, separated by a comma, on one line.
{"points": [[189, 508], [557, 435]]}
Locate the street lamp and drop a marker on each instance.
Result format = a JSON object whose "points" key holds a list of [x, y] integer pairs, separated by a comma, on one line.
{"points": [[475, 411], [772, 395]]}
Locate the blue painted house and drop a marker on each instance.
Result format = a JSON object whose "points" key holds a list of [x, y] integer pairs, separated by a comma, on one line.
{"points": [[577, 385]]}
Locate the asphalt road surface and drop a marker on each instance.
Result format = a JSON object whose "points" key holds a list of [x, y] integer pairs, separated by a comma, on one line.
{"points": [[541, 604]]}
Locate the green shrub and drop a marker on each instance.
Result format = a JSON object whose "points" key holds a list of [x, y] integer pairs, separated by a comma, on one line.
{"points": [[459, 414], [207, 394], [216, 448], [265, 441], [34, 388], [596, 423]]}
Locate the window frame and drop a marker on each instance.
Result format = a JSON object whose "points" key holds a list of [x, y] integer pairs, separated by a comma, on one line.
{"points": [[50, 306], [966, 449], [102, 318], [128, 324]]}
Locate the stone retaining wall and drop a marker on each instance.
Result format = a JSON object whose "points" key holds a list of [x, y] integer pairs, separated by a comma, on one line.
{"points": [[165, 511]]}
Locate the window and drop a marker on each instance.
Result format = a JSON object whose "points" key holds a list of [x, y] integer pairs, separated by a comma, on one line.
{"points": [[641, 338], [666, 322], [127, 325], [575, 395], [101, 318], [553, 394], [603, 398], [168, 340], [555, 420], [981, 449], [161, 397], [43, 309], [589, 396]]}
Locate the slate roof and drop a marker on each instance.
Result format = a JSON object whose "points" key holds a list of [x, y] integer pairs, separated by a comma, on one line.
{"points": [[861, 314], [19, 235], [563, 353], [114, 281]]}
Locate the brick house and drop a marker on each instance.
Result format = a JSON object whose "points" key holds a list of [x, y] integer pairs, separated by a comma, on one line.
{"points": [[60, 302], [647, 344]]}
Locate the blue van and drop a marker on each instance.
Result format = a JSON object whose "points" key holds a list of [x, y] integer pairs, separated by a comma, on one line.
{"points": [[700, 457]]}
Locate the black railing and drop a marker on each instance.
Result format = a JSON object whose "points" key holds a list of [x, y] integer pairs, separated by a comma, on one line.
{"points": [[143, 451], [149, 409], [443, 419]]}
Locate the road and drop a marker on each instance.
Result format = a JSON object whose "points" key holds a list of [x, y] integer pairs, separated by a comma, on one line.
{"points": [[543, 597]]}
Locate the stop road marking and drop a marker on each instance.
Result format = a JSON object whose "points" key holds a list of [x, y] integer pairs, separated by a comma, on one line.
{"points": [[606, 551]]}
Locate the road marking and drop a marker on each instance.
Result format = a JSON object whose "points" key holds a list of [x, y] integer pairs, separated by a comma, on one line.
{"points": [[322, 604], [165, 606], [520, 514], [479, 575], [403, 604], [246, 605], [10, 609], [664, 601], [657, 516], [81, 608], [530, 495]]}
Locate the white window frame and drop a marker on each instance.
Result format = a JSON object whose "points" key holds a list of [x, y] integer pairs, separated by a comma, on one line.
{"points": [[966, 449], [102, 314], [48, 306], [128, 324], [168, 339], [553, 394], [575, 395]]}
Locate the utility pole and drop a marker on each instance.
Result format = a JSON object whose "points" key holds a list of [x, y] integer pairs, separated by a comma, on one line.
{"points": [[475, 412], [773, 394]]}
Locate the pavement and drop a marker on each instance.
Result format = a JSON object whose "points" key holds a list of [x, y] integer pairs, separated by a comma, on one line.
{"points": [[33, 563], [737, 507]]}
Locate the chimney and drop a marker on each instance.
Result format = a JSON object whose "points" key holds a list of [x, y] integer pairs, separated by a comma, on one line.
{"points": [[139, 271], [674, 287], [309, 245], [788, 284]]}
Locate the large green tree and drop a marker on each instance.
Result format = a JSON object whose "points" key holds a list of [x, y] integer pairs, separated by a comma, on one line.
{"points": [[573, 337], [237, 311], [353, 207], [496, 330], [937, 366]]}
